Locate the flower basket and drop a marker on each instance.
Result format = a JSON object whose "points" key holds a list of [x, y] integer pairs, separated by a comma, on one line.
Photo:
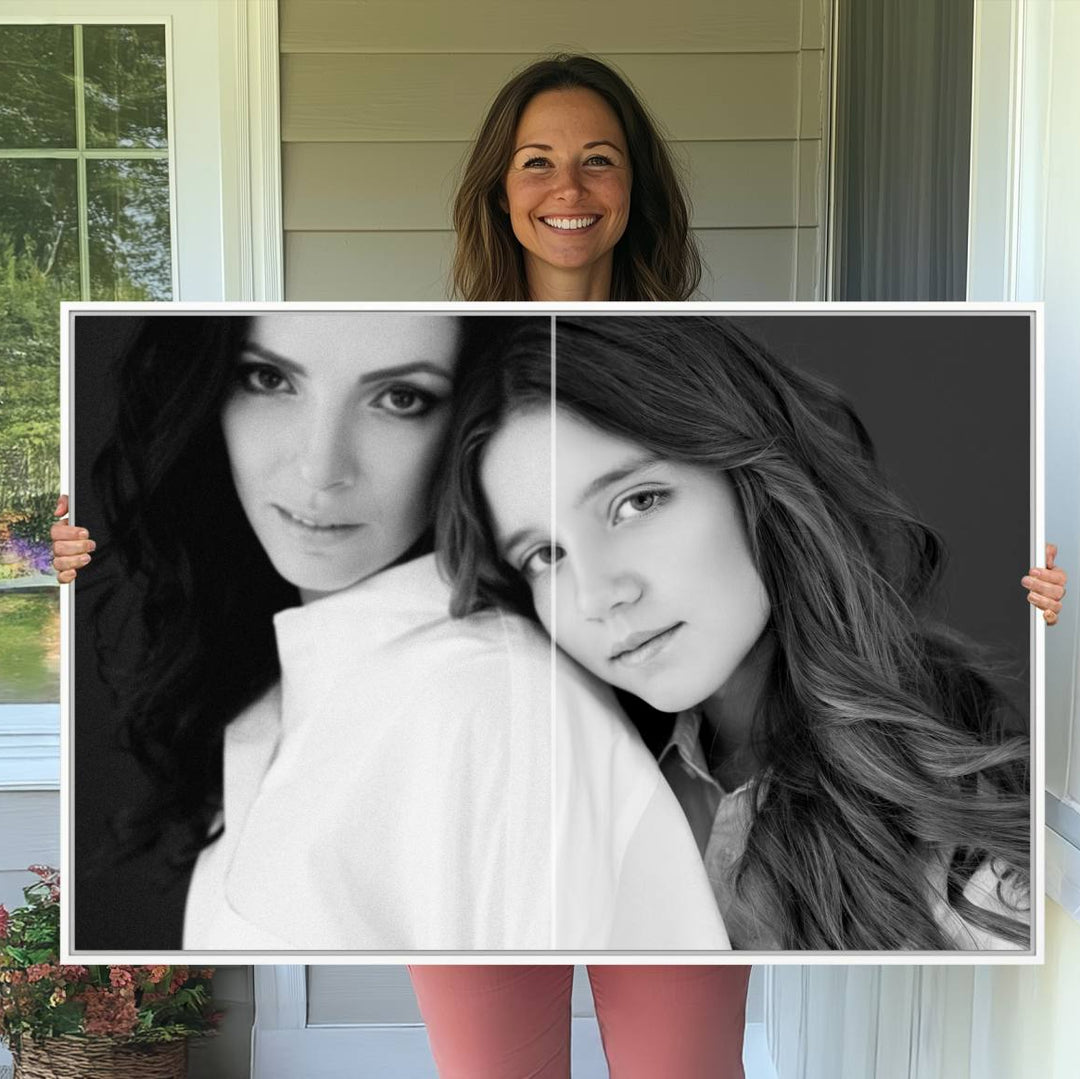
{"points": [[64, 1021], [74, 1057]]}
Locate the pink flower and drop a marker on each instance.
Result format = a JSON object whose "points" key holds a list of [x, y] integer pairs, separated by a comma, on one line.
{"points": [[37, 971], [5, 921], [179, 977], [108, 1012], [121, 976], [72, 974], [156, 973], [46, 872]]}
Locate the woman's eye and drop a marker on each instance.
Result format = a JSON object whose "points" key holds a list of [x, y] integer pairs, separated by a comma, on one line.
{"points": [[405, 401], [535, 163], [262, 378], [598, 159], [539, 560], [639, 504]]}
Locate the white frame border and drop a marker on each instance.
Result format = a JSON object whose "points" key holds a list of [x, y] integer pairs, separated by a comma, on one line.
{"points": [[806, 958]]}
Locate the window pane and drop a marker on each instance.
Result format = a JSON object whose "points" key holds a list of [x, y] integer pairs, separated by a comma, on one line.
{"points": [[37, 103], [39, 266], [124, 70], [29, 645], [39, 222], [129, 230]]}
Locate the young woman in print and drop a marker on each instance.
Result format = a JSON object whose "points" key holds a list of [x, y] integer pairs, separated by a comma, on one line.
{"points": [[566, 158], [720, 547]]}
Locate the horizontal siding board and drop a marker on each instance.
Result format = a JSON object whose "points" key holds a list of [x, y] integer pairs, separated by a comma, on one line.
{"points": [[29, 828], [741, 184], [369, 185], [743, 264], [327, 26], [748, 264], [29, 834], [443, 97], [334, 186], [367, 265]]}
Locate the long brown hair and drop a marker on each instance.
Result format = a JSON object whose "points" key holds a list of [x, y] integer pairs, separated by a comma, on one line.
{"points": [[654, 260], [895, 763]]}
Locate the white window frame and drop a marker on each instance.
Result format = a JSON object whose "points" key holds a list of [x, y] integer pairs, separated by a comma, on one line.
{"points": [[81, 154], [223, 83], [225, 212], [225, 216]]}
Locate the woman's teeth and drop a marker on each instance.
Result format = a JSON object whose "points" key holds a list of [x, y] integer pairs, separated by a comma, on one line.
{"points": [[569, 223], [307, 523]]}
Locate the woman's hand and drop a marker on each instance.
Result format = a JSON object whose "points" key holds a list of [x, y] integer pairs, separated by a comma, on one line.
{"points": [[1046, 587], [71, 546]]}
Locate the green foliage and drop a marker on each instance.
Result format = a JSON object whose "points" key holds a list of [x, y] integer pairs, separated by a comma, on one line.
{"points": [[41, 998], [128, 225], [29, 385], [36, 70]]}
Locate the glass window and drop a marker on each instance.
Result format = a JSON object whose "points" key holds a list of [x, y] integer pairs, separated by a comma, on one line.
{"points": [[85, 213]]}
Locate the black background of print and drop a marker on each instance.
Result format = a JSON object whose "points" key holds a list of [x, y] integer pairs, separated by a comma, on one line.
{"points": [[138, 905], [946, 399]]}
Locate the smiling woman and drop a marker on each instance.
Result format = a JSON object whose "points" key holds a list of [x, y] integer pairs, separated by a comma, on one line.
{"points": [[570, 193]]}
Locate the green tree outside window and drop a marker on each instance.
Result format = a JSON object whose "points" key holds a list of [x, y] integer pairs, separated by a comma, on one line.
{"points": [[84, 214]]}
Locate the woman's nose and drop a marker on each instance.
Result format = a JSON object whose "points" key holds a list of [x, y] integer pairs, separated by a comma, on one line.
{"points": [[570, 183], [602, 588], [328, 456]]}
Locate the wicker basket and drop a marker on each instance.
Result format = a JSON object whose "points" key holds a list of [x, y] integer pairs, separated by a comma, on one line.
{"points": [[71, 1057]]}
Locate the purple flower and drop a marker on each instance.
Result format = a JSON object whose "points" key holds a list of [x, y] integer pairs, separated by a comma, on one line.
{"points": [[37, 556]]}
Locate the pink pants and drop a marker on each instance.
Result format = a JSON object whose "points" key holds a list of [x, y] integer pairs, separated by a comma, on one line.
{"points": [[513, 1022]]}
